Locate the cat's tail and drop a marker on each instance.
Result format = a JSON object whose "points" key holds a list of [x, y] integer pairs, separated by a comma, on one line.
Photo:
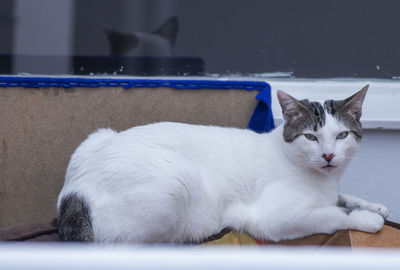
{"points": [[74, 220]]}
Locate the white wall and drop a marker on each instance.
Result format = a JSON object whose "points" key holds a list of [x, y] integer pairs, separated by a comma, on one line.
{"points": [[374, 173]]}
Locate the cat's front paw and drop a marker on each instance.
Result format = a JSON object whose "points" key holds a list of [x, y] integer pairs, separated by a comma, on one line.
{"points": [[366, 221], [379, 209]]}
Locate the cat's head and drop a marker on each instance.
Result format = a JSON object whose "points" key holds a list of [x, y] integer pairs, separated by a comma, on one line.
{"points": [[157, 43], [323, 137]]}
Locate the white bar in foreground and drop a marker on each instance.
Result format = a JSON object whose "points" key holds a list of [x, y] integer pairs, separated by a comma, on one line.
{"points": [[46, 256]]}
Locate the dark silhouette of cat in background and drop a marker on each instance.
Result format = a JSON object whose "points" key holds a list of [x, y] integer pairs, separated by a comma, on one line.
{"points": [[159, 43]]}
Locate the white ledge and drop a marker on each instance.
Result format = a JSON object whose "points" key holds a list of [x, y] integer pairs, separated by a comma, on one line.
{"points": [[381, 108]]}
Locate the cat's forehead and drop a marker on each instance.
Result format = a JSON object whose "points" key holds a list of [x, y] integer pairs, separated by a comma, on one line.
{"points": [[330, 126]]}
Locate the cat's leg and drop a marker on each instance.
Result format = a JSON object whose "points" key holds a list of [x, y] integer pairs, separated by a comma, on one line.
{"points": [[350, 202], [313, 221]]}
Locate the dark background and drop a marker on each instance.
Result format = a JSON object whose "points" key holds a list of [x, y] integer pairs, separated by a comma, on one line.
{"points": [[309, 38]]}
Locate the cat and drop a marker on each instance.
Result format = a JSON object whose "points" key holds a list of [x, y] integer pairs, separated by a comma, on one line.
{"points": [[159, 43], [180, 183]]}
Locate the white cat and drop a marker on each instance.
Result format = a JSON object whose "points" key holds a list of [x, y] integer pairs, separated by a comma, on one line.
{"points": [[180, 183]]}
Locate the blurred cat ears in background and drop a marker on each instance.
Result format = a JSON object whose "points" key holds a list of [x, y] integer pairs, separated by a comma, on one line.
{"points": [[291, 107], [121, 43]]}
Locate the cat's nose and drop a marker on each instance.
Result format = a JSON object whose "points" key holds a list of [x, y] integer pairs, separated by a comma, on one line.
{"points": [[328, 157]]}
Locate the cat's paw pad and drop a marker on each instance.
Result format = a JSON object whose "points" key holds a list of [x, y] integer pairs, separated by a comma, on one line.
{"points": [[379, 209], [367, 221]]}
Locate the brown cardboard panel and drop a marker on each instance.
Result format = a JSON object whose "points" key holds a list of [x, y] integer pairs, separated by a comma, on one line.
{"points": [[46, 231], [233, 238], [312, 240], [388, 237], [40, 128], [340, 238]]}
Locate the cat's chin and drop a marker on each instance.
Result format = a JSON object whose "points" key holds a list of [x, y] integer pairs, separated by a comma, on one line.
{"points": [[328, 169]]}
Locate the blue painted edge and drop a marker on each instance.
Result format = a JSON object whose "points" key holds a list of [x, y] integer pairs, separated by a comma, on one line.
{"points": [[39, 82]]}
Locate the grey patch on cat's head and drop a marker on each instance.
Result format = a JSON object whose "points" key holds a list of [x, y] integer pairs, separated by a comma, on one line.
{"points": [[348, 111], [300, 115], [304, 114]]}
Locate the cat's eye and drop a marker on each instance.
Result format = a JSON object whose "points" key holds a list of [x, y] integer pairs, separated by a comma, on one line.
{"points": [[310, 137], [342, 135]]}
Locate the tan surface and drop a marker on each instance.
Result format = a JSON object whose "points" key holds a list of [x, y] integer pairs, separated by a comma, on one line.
{"points": [[233, 238], [388, 237], [40, 128]]}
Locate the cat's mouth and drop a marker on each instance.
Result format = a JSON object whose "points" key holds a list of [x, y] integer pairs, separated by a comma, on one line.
{"points": [[329, 166]]}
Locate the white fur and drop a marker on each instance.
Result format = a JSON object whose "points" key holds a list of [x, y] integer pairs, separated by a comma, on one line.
{"points": [[176, 183]]}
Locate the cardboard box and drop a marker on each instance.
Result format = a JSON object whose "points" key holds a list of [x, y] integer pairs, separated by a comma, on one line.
{"points": [[388, 237]]}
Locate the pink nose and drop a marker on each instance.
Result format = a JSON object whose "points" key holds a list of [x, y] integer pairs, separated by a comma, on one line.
{"points": [[328, 157]]}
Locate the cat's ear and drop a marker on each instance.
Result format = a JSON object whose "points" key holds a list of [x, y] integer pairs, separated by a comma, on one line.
{"points": [[291, 107], [120, 43], [353, 104], [169, 29]]}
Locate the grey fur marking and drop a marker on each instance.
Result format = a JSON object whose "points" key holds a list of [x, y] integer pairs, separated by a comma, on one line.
{"points": [[347, 211], [312, 116], [337, 109], [342, 205], [74, 220]]}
